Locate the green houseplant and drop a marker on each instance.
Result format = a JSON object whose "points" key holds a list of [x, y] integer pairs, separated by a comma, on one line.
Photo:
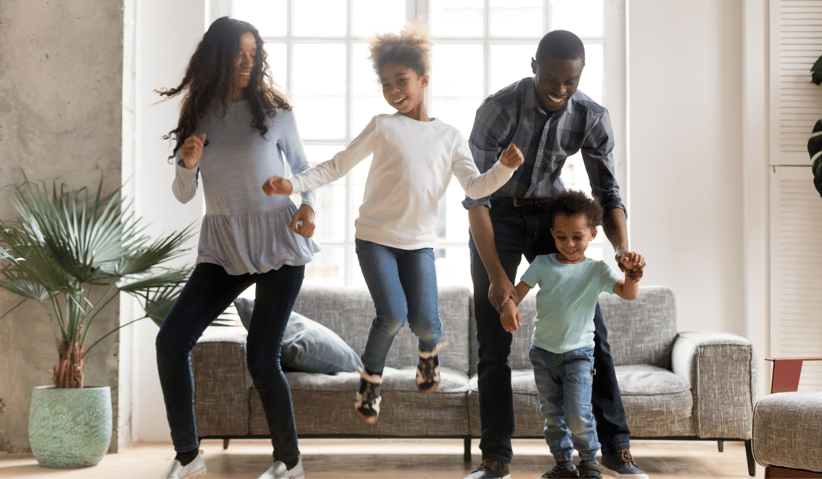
{"points": [[74, 251]]}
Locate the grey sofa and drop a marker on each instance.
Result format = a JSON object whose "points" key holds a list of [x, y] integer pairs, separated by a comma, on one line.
{"points": [[681, 385]]}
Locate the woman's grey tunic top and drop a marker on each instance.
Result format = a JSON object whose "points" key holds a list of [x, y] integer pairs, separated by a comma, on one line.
{"points": [[244, 230]]}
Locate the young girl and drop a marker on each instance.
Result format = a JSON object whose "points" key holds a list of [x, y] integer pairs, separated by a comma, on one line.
{"points": [[233, 132], [414, 158]]}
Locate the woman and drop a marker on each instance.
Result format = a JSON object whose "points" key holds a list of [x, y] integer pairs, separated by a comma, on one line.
{"points": [[234, 130]]}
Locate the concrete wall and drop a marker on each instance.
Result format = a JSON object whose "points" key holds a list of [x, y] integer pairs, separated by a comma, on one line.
{"points": [[60, 117]]}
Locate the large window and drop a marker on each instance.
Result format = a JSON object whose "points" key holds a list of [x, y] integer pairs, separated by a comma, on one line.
{"points": [[318, 52]]}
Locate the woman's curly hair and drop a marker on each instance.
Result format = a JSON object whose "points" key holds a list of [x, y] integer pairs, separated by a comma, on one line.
{"points": [[574, 202], [208, 79], [412, 48]]}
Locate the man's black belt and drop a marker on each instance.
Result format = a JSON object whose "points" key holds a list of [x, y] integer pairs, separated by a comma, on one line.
{"points": [[517, 202]]}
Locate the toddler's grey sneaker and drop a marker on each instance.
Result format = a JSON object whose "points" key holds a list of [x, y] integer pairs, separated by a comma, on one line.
{"points": [[589, 470], [560, 471], [280, 471], [195, 468], [428, 370], [367, 403], [622, 465], [490, 469]]}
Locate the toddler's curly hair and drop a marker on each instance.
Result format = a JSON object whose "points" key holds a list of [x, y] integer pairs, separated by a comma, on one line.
{"points": [[412, 48], [574, 202]]}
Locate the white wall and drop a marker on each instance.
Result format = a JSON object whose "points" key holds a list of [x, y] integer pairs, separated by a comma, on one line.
{"points": [[685, 106], [166, 35]]}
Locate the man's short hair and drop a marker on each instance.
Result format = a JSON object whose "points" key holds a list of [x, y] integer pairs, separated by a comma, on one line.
{"points": [[561, 44]]}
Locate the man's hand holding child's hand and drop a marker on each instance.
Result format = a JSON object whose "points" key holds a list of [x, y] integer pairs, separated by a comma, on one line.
{"points": [[511, 157], [632, 264], [510, 317], [277, 185]]}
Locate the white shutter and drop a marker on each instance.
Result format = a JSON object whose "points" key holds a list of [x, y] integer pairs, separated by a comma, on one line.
{"points": [[796, 207], [796, 43], [796, 271]]}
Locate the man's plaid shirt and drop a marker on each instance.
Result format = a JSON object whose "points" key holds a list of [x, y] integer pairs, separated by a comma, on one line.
{"points": [[513, 115]]}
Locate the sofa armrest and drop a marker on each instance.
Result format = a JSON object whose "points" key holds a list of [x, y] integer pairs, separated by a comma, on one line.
{"points": [[221, 383], [721, 370]]}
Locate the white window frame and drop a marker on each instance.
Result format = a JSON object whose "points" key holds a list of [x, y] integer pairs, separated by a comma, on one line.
{"points": [[614, 43]]}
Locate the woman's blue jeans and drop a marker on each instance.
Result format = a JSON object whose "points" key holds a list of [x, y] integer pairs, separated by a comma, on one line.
{"points": [[208, 293], [403, 285], [564, 383]]}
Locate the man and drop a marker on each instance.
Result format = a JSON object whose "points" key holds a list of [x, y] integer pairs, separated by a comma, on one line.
{"points": [[549, 120]]}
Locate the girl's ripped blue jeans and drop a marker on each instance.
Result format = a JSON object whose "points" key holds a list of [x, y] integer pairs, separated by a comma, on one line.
{"points": [[564, 382]]}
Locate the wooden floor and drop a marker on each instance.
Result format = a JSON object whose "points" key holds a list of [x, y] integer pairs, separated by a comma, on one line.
{"points": [[384, 459]]}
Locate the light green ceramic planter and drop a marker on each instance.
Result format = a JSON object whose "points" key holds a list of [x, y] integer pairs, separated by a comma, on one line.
{"points": [[70, 427]]}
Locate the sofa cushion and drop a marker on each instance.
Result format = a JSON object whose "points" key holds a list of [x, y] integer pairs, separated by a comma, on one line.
{"points": [[786, 430], [350, 312], [641, 331], [324, 406], [657, 402], [307, 345]]}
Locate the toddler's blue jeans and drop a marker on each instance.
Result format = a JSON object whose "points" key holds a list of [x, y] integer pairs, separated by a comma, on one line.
{"points": [[564, 383]]}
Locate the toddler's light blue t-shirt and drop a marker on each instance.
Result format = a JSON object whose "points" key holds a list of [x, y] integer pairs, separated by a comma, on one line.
{"points": [[566, 300]]}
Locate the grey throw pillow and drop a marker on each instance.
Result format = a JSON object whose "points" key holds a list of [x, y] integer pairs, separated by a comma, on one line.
{"points": [[307, 345]]}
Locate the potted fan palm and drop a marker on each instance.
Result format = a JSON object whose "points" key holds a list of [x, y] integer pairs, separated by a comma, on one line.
{"points": [[74, 251]]}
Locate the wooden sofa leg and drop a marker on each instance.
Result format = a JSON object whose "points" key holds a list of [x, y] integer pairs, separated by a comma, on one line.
{"points": [[784, 472], [751, 462], [225, 443], [466, 454], [720, 445]]}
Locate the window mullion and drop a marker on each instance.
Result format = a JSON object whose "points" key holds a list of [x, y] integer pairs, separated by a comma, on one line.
{"points": [[348, 250]]}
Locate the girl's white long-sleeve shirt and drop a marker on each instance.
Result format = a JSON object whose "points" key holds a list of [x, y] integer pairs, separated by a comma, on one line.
{"points": [[412, 165]]}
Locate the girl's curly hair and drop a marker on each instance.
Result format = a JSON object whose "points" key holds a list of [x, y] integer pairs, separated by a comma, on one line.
{"points": [[412, 48], [573, 202], [208, 78]]}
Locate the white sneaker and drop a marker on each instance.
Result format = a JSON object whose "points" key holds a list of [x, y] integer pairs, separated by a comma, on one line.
{"points": [[279, 471], [195, 468]]}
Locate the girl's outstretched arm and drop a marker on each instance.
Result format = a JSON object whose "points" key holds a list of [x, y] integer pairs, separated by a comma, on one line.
{"points": [[277, 185]]}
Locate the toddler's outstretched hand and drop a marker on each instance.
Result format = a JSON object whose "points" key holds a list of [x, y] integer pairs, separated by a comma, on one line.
{"points": [[277, 185], [510, 317], [511, 157]]}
